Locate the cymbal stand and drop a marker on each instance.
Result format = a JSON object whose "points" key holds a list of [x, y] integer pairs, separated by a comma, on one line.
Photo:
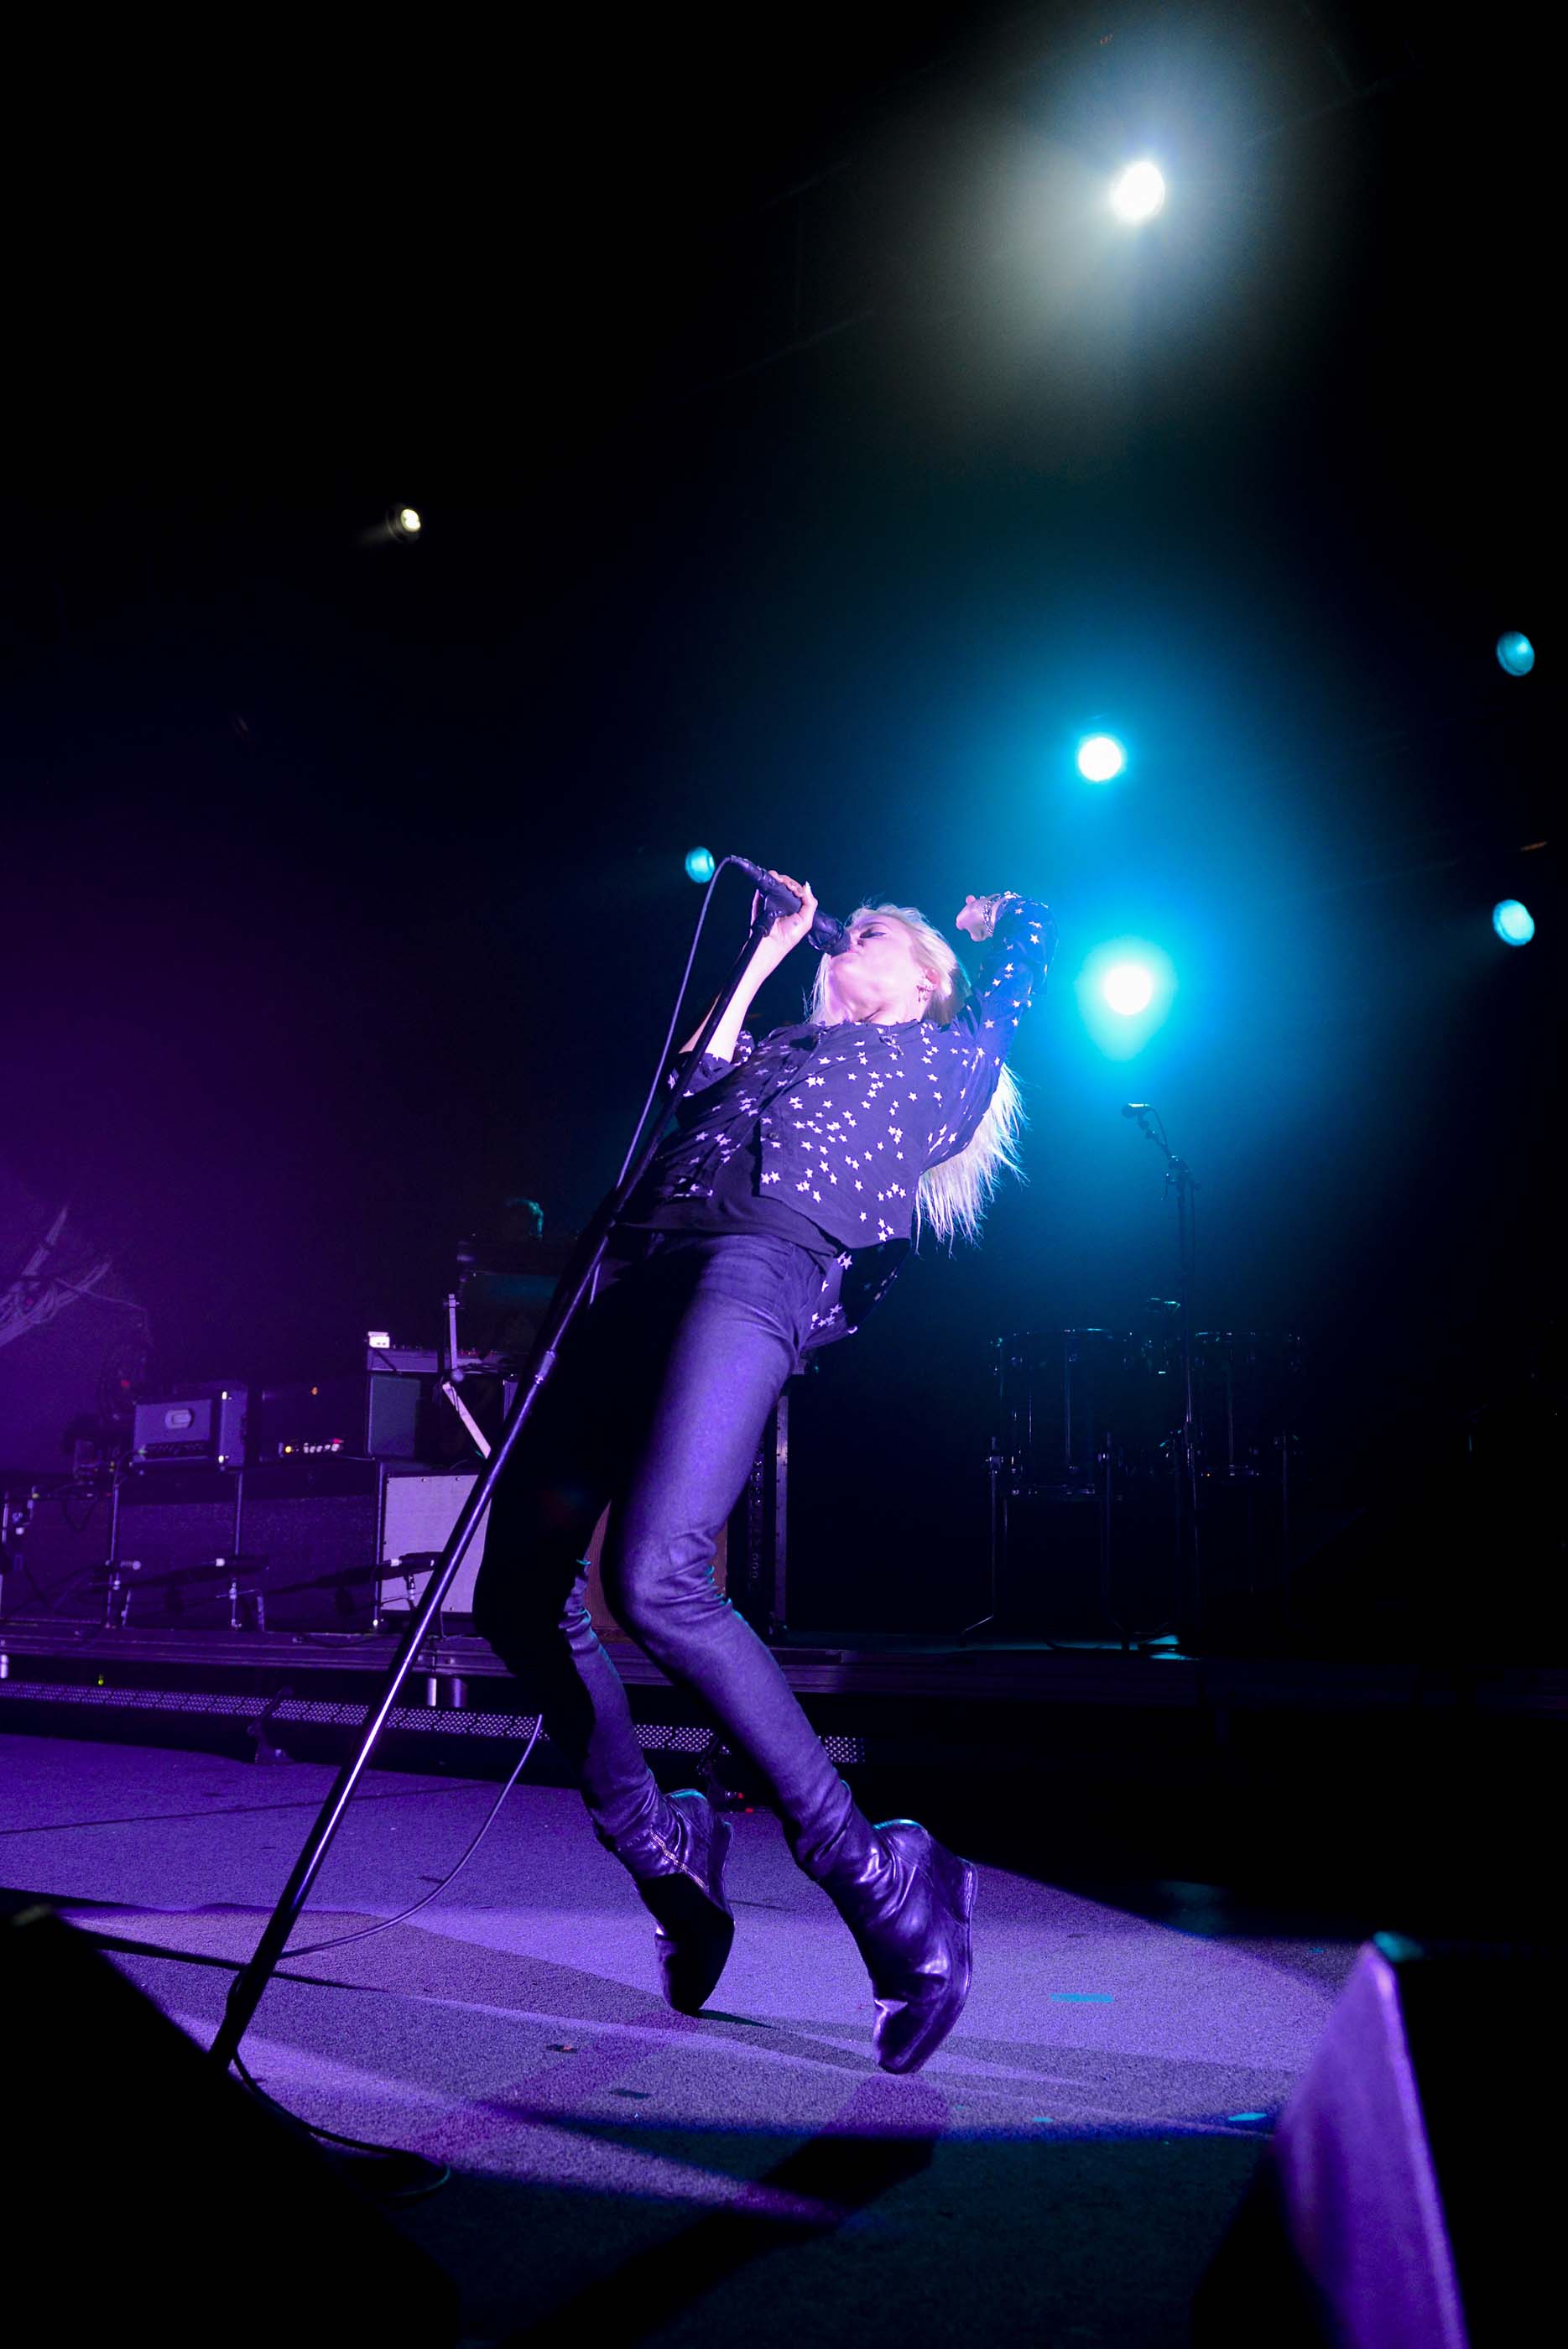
{"points": [[995, 1462], [452, 1375], [1189, 1584]]}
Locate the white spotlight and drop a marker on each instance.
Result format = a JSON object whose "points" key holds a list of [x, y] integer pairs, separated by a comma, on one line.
{"points": [[404, 522], [1129, 987], [1138, 193]]}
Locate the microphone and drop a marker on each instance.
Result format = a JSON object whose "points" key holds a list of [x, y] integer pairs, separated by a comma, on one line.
{"points": [[827, 936]]}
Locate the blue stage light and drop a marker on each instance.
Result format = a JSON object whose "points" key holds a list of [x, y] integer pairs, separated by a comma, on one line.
{"points": [[1516, 653], [1100, 756], [1127, 988], [699, 864], [1514, 922]]}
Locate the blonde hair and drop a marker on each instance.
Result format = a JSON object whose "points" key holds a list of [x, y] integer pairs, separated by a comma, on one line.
{"points": [[951, 1199]]}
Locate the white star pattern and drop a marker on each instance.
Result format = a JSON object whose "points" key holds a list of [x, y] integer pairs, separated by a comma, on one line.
{"points": [[740, 1120]]}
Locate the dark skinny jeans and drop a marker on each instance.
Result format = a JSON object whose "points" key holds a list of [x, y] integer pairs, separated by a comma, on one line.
{"points": [[656, 1407]]}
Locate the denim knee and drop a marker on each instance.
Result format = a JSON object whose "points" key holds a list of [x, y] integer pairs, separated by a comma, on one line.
{"points": [[658, 1585]]}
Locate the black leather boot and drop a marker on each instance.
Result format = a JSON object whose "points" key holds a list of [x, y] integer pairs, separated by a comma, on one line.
{"points": [[677, 1860], [907, 1901]]}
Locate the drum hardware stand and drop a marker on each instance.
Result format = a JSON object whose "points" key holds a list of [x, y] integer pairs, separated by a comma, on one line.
{"points": [[1189, 1584], [571, 1290], [995, 1462], [115, 1618], [1130, 1642], [114, 1581], [452, 1374], [994, 1618]]}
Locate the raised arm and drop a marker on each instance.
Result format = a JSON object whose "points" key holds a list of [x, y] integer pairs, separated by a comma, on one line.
{"points": [[784, 936], [1020, 937]]}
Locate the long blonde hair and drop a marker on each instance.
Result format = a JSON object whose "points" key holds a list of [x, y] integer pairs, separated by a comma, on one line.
{"points": [[949, 1199]]}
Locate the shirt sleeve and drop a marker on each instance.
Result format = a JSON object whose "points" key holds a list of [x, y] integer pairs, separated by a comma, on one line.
{"points": [[710, 1069], [1018, 953]]}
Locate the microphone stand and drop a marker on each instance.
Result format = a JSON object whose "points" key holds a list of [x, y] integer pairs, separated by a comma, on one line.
{"points": [[573, 1286], [1189, 1584]]}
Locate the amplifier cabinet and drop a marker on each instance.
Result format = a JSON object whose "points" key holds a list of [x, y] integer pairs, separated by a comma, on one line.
{"points": [[421, 1512], [201, 1424], [365, 1416], [312, 1530]]}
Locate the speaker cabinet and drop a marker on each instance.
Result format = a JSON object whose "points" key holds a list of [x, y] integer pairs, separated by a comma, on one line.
{"points": [[419, 1514], [211, 2219], [312, 1535], [1408, 2200], [365, 1416]]}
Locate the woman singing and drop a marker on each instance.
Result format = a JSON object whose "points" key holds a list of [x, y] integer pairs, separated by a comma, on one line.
{"points": [[775, 1215]]}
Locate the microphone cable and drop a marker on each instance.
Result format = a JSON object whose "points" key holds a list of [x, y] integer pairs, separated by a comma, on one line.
{"points": [[382, 1925], [661, 1071], [420, 2177]]}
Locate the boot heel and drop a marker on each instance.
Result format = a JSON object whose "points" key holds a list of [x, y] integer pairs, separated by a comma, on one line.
{"points": [[914, 1934], [956, 1882]]}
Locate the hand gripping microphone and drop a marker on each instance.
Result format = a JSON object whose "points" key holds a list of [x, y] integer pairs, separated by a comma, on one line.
{"points": [[828, 936]]}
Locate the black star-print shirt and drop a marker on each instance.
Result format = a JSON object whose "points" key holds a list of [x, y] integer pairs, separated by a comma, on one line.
{"points": [[821, 1134]]}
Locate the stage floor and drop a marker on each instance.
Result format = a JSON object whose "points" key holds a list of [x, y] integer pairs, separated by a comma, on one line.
{"points": [[1061, 2170]]}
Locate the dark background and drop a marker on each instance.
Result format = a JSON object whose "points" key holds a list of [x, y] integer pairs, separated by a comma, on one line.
{"points": [[806, 462]]}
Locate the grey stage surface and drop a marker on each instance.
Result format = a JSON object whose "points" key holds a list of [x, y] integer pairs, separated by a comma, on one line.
{"points": [[1061, 2170]]}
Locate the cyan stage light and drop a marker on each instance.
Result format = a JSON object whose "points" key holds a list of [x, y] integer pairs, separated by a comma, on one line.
{"points": [[1125, 991], [1514, 922], [1100, 757], [1516, 653], [1137, 193], [1128, 988], [700, 865]]}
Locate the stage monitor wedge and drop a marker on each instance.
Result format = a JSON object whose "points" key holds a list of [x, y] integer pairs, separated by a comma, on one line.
{"points": [[179, 2210], [1409, 2197]]}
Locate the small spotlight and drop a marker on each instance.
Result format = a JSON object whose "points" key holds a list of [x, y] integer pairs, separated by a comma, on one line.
{"points": [[404, 522], [700, 865], [1514, 922], [1138, 193], [1516, 653], [1100, 756], [1128, 988]]}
